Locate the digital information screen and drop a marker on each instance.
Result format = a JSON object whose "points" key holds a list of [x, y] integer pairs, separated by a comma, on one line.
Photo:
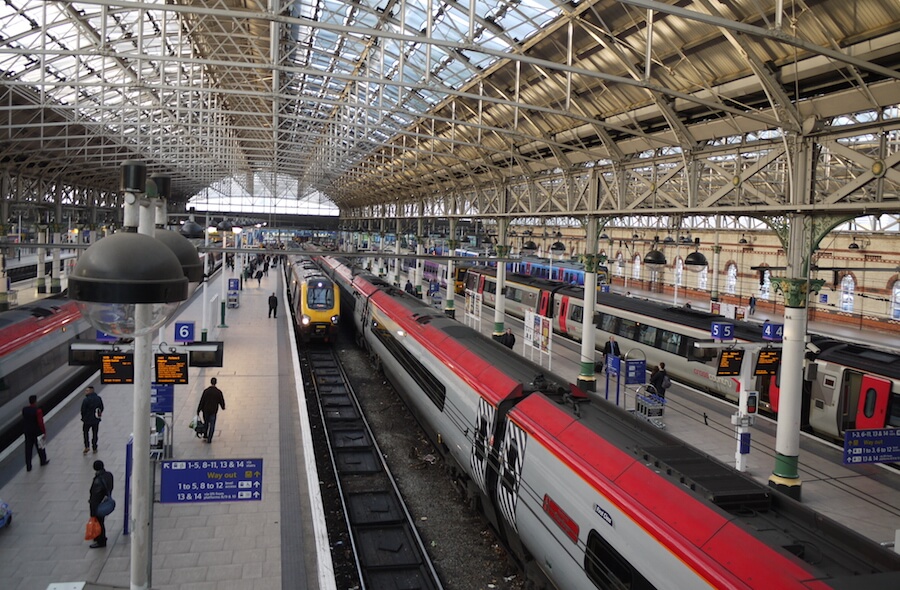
{"points": [[767, 362], [730, 363], [200, 358], [116, 369], [172, 368]]}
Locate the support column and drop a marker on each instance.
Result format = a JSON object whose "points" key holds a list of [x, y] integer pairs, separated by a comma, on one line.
{"points": [[40, 280], [449, 303], [587, 379], [55, 284], [4, 291], [796, 234], [397, 261], [500, 298]]}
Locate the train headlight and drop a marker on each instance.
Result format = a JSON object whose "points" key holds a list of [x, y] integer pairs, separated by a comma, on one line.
{"points": [[304, 320], [335, 319]]}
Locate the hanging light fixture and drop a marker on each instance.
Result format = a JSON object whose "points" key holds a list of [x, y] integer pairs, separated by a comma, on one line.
{"points": [[853, 245], [695, 261], [655, 259], [743, 239]]}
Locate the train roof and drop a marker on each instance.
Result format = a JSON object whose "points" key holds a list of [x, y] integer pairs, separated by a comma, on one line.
{"points": [[864, 358], [701, 497]]}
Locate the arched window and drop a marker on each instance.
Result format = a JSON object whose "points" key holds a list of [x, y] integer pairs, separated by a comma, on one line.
{"points": [[620, 265], [731, 278], [679, 271], [702, 277], [895, 301], [765, 286], [636, 267], [848, 287]]}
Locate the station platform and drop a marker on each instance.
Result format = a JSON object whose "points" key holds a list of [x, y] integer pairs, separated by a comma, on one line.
{"points": [[865, 498], [268, 544]]}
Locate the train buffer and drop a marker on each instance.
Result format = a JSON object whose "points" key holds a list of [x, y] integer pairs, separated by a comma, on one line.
{"points": [[650, 407]]}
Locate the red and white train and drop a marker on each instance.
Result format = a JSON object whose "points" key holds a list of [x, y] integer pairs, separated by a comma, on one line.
{"points": [[585, 495]]}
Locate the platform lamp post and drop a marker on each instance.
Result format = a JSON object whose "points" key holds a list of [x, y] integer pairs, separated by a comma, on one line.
{"points": [[128, 284], [223, 227], [655, 260]]}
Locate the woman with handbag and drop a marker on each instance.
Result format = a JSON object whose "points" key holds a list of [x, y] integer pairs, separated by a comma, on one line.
{"points": [[101, 488]]}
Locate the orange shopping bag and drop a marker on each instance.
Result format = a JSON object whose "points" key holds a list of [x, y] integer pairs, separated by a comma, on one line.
{"points": [[92, 530]]}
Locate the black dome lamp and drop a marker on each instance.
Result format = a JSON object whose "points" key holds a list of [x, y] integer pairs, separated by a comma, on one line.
{"points": [[126, 269], [224, 226], [695, 261], [558, 247], [529, 245], [743, 239], [669, 240], [853, 245], [183, 249], [655, 259]]}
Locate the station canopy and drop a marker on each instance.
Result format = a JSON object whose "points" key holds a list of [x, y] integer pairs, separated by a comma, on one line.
{"points": [[344, 104]]}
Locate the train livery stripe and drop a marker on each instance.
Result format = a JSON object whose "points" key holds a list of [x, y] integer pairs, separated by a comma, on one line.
{"points": [[24, 333], [675, 519]]}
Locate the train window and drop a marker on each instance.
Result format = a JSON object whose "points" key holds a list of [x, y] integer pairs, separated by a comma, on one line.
{"points": [[647, 335], [871, 400], [894, 411], [509, 466], [607, 323], [670, 341], [320, 297], [703, 355], [490, 287], [576, 313], [480, 442], [607, 569], [513, 294], [628, 329]]}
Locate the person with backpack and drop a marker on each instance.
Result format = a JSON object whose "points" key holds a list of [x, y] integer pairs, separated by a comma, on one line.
{"points": [[659, 380]]}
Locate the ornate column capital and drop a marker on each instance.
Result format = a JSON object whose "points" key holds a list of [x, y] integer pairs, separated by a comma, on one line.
{"points": [[796, 291], [502, 250], [591, 262]]}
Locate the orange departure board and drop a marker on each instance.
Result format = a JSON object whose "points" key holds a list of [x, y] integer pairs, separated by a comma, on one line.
{"points": [[730, 363], [117, 368], [767, 361], [172, 368]]}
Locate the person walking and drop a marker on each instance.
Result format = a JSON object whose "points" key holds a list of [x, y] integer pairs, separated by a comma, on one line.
{"points": [[273, 305], [259, 275], [91, 414], [508, 339], [409, 287], [210, 402], [101, 487], [33, 426], [752, 304]]}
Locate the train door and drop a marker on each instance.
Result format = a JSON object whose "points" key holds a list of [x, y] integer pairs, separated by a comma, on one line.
{"points": [[544, 303], [874, 397], [563, 313]]}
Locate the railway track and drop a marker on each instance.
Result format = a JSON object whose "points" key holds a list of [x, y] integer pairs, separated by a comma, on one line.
{"points": [[388, 550]]}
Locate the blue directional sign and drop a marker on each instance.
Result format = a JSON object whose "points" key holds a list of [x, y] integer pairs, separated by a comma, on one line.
{"points": [[774, 332], [635, 371], [612, 364], [233, 284], [877, 445], [222, 480], [162, 398], [722, 331], [184, 331]]}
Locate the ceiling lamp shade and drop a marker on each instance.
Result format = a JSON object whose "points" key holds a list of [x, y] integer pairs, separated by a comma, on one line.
{"points": [[192, 230], [529, 245], [669, 240], [655, 259], [185, 251], [558, 247], [853, 245], [695, 261]]}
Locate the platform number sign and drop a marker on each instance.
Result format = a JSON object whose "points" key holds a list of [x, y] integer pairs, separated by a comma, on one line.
{"points": [[722, 331], [184, 331], [773, 332]]}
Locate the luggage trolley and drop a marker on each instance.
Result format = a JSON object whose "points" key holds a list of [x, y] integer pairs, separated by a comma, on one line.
{"points": [[650, 407]]}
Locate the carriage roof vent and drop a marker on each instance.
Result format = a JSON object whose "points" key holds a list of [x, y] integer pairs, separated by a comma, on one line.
{"points": [[720, 484]]}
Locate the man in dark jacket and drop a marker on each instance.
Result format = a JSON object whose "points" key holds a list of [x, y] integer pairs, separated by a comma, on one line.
{"points": [[101, 487], [33, 426], [210, 402], [91, 412], [273, 305]]}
